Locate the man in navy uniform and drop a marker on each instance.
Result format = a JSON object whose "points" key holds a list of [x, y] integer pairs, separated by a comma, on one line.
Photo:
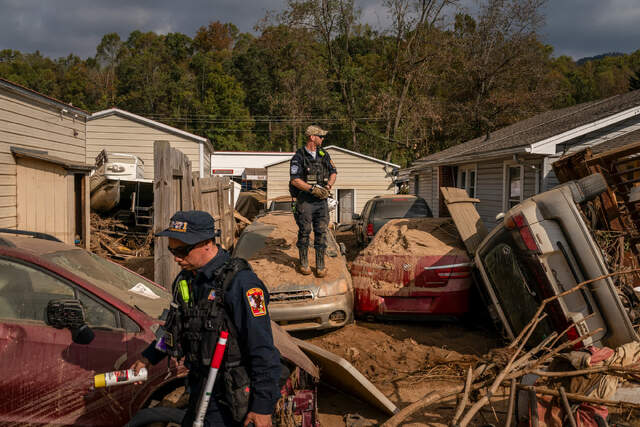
{"points": [[215, 292], [312, 175]]}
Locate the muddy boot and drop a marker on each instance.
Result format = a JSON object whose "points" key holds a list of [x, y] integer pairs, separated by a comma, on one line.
{"points": [[304, 261], [321, 271]]}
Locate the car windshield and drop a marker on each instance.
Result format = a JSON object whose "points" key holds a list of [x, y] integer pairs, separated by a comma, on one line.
{"points": [[401, 208], [518, 300], [129, 287], [281, 206]]}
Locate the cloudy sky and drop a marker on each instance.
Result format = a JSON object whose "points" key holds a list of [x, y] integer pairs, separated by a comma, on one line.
{"points": [[577, 28]]}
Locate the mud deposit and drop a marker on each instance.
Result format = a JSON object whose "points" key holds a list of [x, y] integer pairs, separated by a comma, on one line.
{"points": [[405, 361]]}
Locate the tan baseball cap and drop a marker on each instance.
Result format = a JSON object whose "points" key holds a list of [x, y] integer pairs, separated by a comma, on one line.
{"points": [[315, 130]]}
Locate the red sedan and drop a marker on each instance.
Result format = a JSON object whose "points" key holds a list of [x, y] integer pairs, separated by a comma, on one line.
{"points": [[415, 266]]}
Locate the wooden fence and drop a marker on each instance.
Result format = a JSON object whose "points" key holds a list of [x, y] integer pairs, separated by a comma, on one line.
{"points": [[174, 189]]}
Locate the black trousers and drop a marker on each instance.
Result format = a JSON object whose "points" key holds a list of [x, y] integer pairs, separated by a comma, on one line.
{"points": [[312, 213], [217, 414]]}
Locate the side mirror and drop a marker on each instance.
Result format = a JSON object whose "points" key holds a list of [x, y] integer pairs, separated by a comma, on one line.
{"points": [[69, 313], [355, 216]]}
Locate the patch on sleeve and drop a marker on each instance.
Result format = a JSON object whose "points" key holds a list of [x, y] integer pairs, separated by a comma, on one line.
{"points": [[256, 302], [333, 165], [294, 169]]}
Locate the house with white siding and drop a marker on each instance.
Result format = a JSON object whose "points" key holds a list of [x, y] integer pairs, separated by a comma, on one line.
{"points": [[44, 184], [360, 178], [514, 163], [120, 131]]}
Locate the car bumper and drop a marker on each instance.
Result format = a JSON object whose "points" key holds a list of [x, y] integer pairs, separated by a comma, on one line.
{"points": [[319, 313]]}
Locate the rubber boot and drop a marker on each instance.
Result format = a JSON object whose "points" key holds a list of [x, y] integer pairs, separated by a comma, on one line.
{"points": [[304, 261], [321, 271]]}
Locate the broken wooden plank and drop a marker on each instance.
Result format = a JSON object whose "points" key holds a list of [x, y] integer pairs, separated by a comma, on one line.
{"points": [[470, 227]]}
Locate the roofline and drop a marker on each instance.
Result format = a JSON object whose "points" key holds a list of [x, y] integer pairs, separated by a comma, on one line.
{"points": [[44, 156], [346, 151], [32, 94], [548, 145], [266, 153], [144, 120], [470, 158]]}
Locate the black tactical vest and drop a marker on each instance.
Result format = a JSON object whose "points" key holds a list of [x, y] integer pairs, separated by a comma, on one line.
{"points": [[193, 327], [315, 170]]}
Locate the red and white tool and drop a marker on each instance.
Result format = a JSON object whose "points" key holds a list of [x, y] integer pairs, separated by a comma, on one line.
{"points": [[216, 360]]}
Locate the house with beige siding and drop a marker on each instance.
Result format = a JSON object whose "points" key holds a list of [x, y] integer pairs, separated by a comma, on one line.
{"points": [[120, 131], [515, 162], [43, 174], [360, 178]]}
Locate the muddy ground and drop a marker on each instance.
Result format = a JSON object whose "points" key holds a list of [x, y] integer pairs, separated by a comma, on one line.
{"points": [[405, 360]]}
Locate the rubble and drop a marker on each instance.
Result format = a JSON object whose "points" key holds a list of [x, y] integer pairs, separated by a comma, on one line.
{"points": [[111, 238]]}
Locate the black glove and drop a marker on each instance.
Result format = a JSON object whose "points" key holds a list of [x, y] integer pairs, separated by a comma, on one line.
{"points": [[319, 191]]}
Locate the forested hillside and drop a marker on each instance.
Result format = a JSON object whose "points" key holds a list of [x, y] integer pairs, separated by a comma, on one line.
{"points": [[431, 79]]}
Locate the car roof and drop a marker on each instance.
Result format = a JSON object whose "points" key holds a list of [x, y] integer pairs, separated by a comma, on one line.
{"points": [[33, 245], [397, 196]]}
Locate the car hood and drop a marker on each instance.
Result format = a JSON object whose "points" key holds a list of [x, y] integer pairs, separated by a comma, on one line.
{"points": [[269, 244]]}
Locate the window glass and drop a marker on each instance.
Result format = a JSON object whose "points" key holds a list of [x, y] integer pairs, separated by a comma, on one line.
{"points": [[514, 184], [25, 291], [96, 314], [472, 184], [114, 279], [517, 298], [463, 180], [401, 208]]}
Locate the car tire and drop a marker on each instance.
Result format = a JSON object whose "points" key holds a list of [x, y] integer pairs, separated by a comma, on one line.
{"points": [[588, 188], [158, 414]]}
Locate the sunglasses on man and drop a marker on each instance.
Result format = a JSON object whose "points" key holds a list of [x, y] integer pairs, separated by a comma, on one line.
{"points": [[182, 251]]}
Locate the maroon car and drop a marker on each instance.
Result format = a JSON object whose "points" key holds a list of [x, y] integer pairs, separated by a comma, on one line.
{"points": [[413, 266], [46, 372]]}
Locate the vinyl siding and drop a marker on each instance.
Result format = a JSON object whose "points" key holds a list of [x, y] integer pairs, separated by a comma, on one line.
{"points": [[122, 135], [427, 187], [365, 176], [28, 124]]}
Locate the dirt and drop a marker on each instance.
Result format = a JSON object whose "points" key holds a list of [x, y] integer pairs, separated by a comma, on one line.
{"points": [[405, 361], [417, 236], [276, 263]]}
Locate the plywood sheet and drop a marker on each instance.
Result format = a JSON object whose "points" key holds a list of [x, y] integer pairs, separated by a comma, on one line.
{"points": [[338, 372], [471, 228]]}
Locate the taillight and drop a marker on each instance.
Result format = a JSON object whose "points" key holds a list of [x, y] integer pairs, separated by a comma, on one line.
{"points": [[520, 222], [573, 334], [369, 229]]}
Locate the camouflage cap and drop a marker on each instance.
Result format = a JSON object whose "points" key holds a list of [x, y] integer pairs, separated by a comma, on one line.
{"points": [[315, 130]]}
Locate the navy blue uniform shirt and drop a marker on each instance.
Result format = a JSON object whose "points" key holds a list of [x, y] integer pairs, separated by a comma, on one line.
{"points": [[254, 331], [297, 167]]}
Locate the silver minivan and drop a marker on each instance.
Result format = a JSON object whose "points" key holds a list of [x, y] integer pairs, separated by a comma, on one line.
{"points": [[542, 248]]}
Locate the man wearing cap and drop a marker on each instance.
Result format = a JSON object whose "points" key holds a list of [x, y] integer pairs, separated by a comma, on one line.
{"points": [[312, 175], [215, 292]]}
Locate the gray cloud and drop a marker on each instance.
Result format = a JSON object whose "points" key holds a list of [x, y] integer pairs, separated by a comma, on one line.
{"points": [[57, 28]]}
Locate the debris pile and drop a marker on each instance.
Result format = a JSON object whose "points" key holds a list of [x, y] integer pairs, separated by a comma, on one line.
{"points": [[552, 373], [110, 238]]}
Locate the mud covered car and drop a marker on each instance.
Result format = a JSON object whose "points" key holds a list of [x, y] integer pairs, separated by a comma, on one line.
{"points": [[46, 372], [413, 267], [543, 247], [380, 209], [297, 301]]}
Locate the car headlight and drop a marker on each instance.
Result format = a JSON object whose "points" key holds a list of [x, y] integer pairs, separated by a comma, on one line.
{"points": [[334, 288]]}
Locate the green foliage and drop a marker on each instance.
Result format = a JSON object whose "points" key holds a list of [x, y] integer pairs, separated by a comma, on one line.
{"points": [[398, 94]]}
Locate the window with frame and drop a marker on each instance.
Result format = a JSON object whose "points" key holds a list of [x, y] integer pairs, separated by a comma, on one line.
{"points": [[26, 291], [514, 185], [467, 179]]}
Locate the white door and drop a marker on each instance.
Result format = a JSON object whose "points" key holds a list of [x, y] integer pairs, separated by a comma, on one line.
{"points": [[346, 205]]}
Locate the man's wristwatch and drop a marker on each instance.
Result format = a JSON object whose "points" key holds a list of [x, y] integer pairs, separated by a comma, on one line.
{"points": [[329, 186]]}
